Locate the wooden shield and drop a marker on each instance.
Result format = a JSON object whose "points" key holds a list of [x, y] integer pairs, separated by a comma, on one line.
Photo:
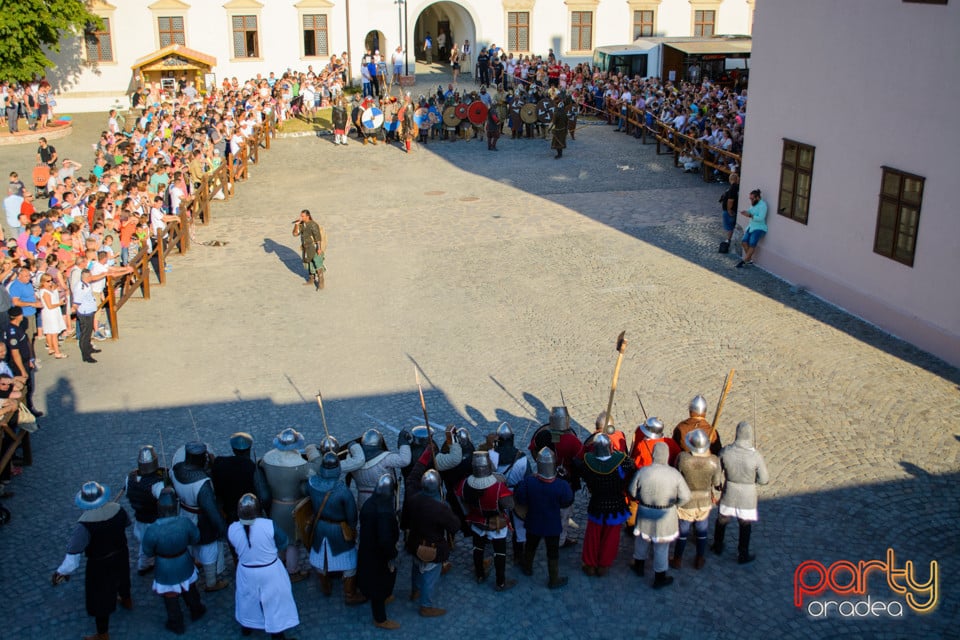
{"points": [[462, 111], [303, 519], [528, 113], [477, 112], [450, 118], [545, 110]]}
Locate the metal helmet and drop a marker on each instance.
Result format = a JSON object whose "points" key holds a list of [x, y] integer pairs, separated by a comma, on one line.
{"points": [[372, 443], [698, 442], [248, 508], [167, 503], [698, 406], [195, 454], [420, 436], [462, 436], [386, 485], [430, 483], [504, 434], [559, 419], [147, 460], [652, 428], [330, 465], [289, 440], [329, 443], [546, 464], [92, 495], [241, 441], [481, 465], [601, 445]]}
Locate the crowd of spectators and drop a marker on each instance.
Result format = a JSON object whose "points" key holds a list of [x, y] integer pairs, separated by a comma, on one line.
{"points": [[30, 101], [64, 240]]}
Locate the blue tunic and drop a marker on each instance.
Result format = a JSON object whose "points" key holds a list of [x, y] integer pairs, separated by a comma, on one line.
{"points": [[169, 540], [544, 500]]}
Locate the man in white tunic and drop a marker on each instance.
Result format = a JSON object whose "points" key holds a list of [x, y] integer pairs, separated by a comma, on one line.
{"points": [[264, 597]]}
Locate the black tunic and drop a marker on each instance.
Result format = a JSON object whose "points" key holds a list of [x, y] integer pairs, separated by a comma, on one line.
{"points": [[379, 534], [108, 562]]}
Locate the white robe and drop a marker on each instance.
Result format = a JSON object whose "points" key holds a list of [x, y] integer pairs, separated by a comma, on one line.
{"points": [[264, 596]]}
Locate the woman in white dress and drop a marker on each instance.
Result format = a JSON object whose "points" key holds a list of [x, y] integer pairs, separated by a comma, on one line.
{"points": [[264, 597], [51, 318]]}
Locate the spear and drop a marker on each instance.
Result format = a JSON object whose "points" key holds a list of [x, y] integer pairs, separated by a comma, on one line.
{"points": [[727, 383], [621, 347], [166, 471], [323, 416], [641, 405], [426, 420]]}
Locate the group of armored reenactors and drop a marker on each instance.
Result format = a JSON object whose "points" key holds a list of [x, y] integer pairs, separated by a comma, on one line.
{"points": [[450, 115], [352, 508]]}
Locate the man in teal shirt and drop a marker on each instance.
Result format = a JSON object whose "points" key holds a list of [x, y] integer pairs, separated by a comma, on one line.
{"points": [[755, 230]]}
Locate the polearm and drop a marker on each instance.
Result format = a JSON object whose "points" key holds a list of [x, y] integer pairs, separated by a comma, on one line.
{"points": [[727, 383], [426, 420], [166, 471], [641, 406], [621, 347], [323, 416]]}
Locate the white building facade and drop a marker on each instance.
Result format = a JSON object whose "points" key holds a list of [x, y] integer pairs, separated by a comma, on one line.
{"points": [[247, 37], [851, 136]]}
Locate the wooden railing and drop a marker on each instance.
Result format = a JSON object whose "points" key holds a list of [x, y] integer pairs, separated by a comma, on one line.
{"points": [[177, 233], [12, 439], [649, 129]]}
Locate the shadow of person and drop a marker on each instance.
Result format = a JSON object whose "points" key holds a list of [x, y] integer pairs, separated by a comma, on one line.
{"points": [[539, 408], [286, 255]]}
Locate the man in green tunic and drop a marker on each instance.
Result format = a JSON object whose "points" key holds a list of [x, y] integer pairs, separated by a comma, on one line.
{"points": [[313, 244]]}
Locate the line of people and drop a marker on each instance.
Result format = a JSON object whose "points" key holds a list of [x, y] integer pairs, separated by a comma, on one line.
{"points": [[415, 499]]}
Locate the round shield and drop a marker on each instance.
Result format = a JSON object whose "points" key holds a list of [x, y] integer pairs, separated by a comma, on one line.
{"points": [[545, 110], [477, 113], [392, 125], [450, 118], [372, 118], [528, 113], [422, 119], [462, 111]]}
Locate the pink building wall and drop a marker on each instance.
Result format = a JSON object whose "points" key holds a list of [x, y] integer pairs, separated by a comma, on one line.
{"points": [[869, 83]]}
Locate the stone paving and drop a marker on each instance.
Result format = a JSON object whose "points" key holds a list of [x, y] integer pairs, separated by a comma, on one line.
{"points": [[505, 277]]}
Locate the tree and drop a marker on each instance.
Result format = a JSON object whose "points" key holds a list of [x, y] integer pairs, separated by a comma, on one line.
{"points": [[31, 28]]}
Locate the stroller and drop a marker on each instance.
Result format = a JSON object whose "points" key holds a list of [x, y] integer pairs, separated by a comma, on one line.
{"points": [[41, 176]]}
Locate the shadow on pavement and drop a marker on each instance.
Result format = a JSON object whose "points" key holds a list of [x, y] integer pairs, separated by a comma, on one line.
{"points": [[290, 258]]}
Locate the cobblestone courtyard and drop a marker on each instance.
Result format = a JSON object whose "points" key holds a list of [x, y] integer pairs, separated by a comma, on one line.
{"points": [[505, 277]]}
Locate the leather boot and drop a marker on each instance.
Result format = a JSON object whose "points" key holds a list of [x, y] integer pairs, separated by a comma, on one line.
{"points": [[518, 553], [174, 615], [350, 594], [326, 584], [320, 280], [661, 579], [210, 579], [637, 567], [719, 532], [527, 565], [192, 598], [553, 569], [743, 547], [676, 562]]}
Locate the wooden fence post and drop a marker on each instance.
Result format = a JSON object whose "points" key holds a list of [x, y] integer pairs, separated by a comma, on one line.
{"points": [[161, 259], [184, 232], [145, 275]]}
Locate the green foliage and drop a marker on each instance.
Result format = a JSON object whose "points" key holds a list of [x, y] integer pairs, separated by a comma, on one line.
{"points": [[31, 28]]}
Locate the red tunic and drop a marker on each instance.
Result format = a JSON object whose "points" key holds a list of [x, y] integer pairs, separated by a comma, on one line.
{"points": [[482, 504]]}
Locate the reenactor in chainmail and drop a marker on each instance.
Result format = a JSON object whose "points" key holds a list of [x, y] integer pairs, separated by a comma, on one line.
{"points": [[199, 503], [658, 488], [701, 469], [142, 487], [743, 469], [379, 460], [697, 420]]}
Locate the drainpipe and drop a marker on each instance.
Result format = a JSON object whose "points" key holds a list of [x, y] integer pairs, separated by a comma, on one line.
{"points": [[349, 52]]}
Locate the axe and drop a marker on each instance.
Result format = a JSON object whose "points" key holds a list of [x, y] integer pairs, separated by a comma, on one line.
{"points": [[621, 347]]}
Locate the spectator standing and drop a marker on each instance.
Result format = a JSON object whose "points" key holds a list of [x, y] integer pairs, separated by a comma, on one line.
{"points": [[756, 229]]}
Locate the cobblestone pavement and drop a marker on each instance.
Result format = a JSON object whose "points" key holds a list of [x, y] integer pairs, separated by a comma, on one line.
{"points": [[506, 277]]}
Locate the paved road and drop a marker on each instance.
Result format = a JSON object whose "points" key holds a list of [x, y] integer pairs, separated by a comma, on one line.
{"points": [[506, 277]]}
